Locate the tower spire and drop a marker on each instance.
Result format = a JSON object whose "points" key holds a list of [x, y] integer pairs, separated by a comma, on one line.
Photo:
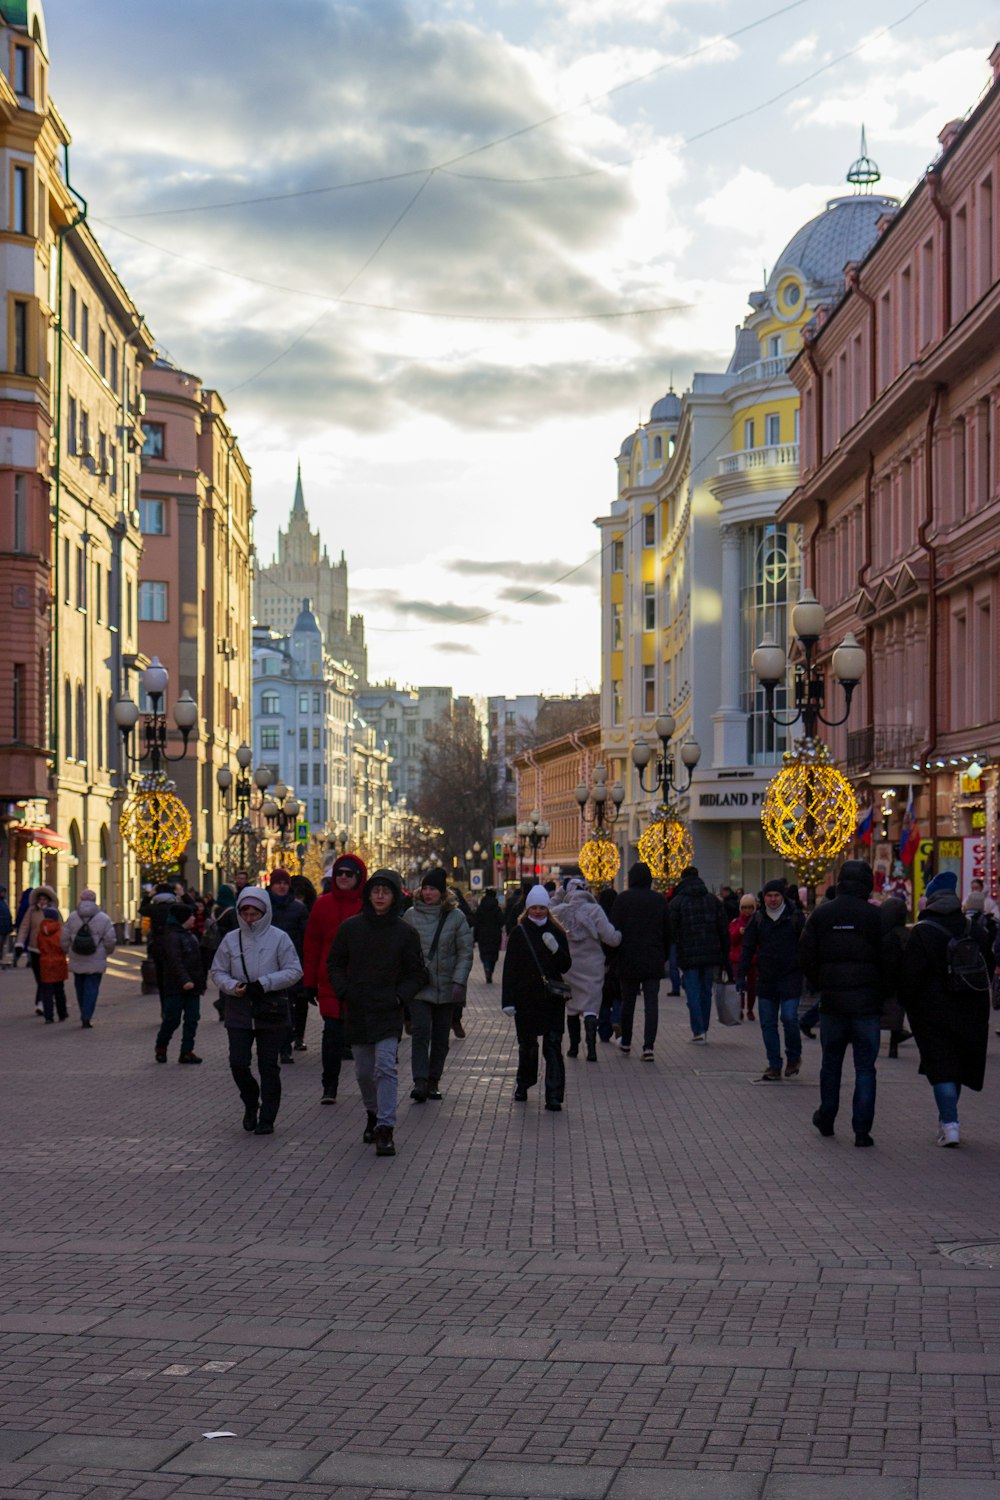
{"points": [[299, 503], [863, 173]]}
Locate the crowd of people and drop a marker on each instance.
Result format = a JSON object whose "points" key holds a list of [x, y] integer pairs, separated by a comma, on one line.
{"points": [[378, 961]]}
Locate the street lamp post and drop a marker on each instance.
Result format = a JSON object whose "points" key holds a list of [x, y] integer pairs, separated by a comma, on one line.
{"points": [[241, 831], [154, 821], [770, 664], [598, 857], [533, 833], [281, 809], [664, 768], [666, 843], [155, 728]]}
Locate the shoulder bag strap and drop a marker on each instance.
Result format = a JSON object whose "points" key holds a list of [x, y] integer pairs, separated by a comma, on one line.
{"points": [[437, 936], [531, 950], [243, 960]]}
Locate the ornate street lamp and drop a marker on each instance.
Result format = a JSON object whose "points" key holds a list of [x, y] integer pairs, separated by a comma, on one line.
{"points": [[666, 845], [244, 845], [599, 858], [533, 833], [154, 727], [281, 810], [154, 821], [810, 811]]}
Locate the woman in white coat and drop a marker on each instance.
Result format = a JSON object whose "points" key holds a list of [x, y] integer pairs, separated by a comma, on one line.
{"points": [[587, 928]]}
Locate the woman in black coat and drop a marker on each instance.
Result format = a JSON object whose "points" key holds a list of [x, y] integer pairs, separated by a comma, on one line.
{"points": [[951, 1025], [487, 928], [537, 950], [892, 914]]}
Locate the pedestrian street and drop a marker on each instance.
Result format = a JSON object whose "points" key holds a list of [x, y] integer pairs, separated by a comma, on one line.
{"points": [[673, 1288]]}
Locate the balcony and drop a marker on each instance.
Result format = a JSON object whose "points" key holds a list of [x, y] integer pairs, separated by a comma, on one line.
{"points": [[763, 369], [777, 456], [883, 747]]}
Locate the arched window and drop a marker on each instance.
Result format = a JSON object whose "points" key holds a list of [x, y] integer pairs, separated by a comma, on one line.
{"points": [[657, 447], [99, 724], [73, 862], [105, 847], [68, 718], [81, 723]]}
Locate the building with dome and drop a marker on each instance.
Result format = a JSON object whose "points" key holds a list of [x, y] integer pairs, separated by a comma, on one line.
{"points": [[696, 567]]}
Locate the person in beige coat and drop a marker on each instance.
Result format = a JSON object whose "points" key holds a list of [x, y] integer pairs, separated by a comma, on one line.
{"points": [[88, 939], [26, 940]]}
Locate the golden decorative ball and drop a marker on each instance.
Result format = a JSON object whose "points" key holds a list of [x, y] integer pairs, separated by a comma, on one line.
{"points": [[810, 811], [599, 860], [155, 824], [666, 847]]}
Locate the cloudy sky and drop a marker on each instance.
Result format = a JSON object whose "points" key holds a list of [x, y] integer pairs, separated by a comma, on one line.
{"points": [[448, 253]]}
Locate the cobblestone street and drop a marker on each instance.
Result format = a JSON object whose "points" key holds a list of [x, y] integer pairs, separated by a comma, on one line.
{"points": [[674, 1289]]}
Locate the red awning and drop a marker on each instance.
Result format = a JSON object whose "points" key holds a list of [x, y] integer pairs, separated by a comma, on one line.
{"points": [[47, 837]]}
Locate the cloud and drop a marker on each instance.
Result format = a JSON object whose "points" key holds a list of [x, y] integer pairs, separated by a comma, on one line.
{"points": [[422, 609], [455, 648], [517, 595], [581, 575], [803, 49]]}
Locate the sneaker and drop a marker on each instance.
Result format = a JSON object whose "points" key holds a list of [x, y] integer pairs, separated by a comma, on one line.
{"points": [[160, 1054], [807, 1031], [625, 1047], [433, 1092], [823, 1126], [328, 1099], [793, 1066], [189, 1057], [264, 1127], [700, 1040], [300, 1046], [647, 1054], [285, 1058], [948, 1135], [862, 1138], [771, 1075]]}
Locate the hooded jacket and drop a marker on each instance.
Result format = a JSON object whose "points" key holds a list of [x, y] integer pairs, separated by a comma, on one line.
{"points": [[951, 1031], [102, 930], [587, 929], [698, 925], [328, 913], [452, 961], [180, 953], [27, 930], [487, 928], [261, 952], [641, 915], [376, 967], [841, 947], [52, 966]]}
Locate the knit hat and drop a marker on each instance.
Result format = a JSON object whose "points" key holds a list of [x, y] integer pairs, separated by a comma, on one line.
{"points": [[226, 897], [944, 903], [945, 880], [537, 896], [281, 875], [435, 879], [775, 885], [52, 914], [975, 901]]}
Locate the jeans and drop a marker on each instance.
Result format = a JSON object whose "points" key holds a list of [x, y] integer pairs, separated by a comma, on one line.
{"points": [[527, 1055], [698, 989], [946, 1098], [673, 969], [787, 1011], [49, 993], [268, 1092], [87, 986], [375, 1070], [333, 1051], [431, 1030], [651, 1008], [862, 1032], [187, 1007]]}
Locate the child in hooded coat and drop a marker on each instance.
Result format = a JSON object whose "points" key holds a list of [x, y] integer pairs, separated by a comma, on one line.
{"points": [[53, 966]]}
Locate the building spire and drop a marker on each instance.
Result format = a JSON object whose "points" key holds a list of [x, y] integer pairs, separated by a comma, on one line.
{"points": [[299, 504], [863, 173]]}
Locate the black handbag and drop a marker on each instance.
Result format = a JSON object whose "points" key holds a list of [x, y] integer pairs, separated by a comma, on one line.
{"points": [[266, 1007], [556, 990]]}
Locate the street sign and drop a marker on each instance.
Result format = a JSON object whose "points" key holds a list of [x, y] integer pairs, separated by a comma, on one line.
{"points": [[498, 849], [301, 833], [475, 880]]}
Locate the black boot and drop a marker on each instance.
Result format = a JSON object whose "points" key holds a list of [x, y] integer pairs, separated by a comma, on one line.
{"points": [[573, 1027], [369, 1134], [590, 1027]]}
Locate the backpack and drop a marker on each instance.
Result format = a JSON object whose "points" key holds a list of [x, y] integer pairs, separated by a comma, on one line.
{"points": [[965, 964], [84, 942]]}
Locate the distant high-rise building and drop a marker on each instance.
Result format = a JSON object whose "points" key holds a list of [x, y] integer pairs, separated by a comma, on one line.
{"points": [[302, 569]]}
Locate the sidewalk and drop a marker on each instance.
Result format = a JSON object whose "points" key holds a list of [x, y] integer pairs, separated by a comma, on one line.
{"points": [[674, 1289]]}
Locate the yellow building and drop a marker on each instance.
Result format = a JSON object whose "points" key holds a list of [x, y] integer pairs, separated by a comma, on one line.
{"points": [[695, 569]]}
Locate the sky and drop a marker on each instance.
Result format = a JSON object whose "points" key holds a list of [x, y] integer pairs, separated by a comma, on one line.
{"points": [[447, 255]]}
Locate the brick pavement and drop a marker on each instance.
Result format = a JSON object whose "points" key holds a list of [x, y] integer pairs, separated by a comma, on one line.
{"points": [[674, 1289]]}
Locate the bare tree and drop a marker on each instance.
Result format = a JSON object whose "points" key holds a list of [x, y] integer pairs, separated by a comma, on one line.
{"points": [[457, 791]]}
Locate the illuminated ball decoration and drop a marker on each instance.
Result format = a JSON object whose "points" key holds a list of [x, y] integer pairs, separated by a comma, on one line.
{"points": [[666, 847], [810, 811], [155, 824], [599, 860]]}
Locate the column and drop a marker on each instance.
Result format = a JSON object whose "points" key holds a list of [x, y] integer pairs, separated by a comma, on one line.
{"points": [[729, 735]]}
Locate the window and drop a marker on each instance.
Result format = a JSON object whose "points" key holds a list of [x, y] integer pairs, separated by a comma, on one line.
{"points": [[152, 439], [317, 774], [772, 429], [68, 719], [317, 703], [270, 703], [22, 71], [20, 512], [85, 445], [17, 705], [20, 336], [81, 578], [748, 437], [774, 343], [99, 757], [72, 424], [617, 634], [84, 327], [303, 739], [21, 208], [72, 312], [317, 741], [617, 555], [66, 558], [81, 724], [317, 810], [113, 376], [115, 459], [649, 529], [658, 447], [102, 352], [649, 688], [649, 606], [128, 610], [98, 611], [270, 738], [303, 703], [102, 455], [152, 600], [616, 702], [153, 517], [303, 773]]}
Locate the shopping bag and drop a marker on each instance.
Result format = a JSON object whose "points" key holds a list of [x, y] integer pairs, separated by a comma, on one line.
{"points": [[727, 1003]]}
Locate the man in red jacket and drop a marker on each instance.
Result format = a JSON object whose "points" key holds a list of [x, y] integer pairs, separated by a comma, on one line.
{"points": [[343, 900]]}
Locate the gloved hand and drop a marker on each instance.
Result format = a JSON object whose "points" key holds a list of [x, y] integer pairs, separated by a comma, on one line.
{"points": [[549, 940], [458, 994], [311, 996], [509, 1010]]}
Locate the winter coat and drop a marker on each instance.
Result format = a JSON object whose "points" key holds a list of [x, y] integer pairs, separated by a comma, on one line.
{"points": [[640, 914], [775, 946], [523, 986], [698, 925], [586, 928], [266, 954], [325, 919], [892, 915], [487, 928], [34, 915], [6, 920], [452, 961], [951, 1031], [841, 950], [52, 965], [737, 932], [376, 967], [101, 930], [181, 956], [290, 916]]}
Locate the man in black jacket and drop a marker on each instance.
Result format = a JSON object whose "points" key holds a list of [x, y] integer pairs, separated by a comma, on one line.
{"points": [[376, 967], [841, 950], [640, 915], [290, 916], [772, 936], [699, 928]]}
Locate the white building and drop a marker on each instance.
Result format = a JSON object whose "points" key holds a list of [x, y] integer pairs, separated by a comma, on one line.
{"points": [[402, 717]]}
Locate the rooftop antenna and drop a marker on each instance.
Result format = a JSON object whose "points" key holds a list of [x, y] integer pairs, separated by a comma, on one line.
{"points": [[863, 173]]}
